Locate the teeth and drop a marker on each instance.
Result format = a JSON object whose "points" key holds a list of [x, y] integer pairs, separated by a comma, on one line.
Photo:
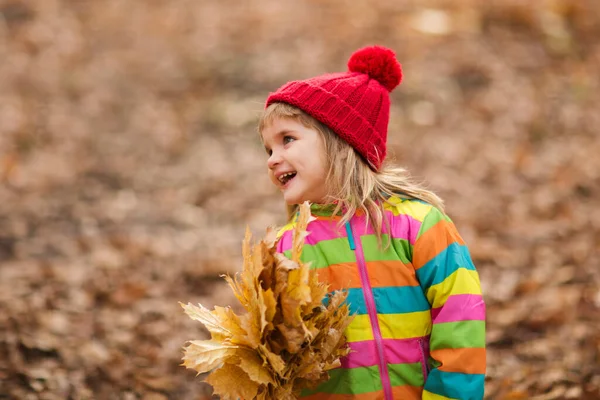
{"points": [[285, 176]]}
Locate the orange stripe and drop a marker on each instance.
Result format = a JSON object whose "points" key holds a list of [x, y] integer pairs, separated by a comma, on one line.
{"points": [[391, 273], [434, 241], [466, 360], [381, 274], [362, 396], [326, 218], [340, 276], [407, 392], [403, 392]]}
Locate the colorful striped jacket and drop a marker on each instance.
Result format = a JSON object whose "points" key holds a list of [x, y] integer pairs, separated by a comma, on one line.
{"points": [[419, 329]]}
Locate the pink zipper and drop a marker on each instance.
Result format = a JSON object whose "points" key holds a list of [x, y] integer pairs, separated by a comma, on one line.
{"points": [[370, 302]]}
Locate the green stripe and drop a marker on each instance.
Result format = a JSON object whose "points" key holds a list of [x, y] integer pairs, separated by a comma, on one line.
{"points": [[433, 217], [325, 210], [326, 253], [458, 335], [374, 253], [338, 251], [403, 249], [349, 381], [406, 374], [366, 379]]}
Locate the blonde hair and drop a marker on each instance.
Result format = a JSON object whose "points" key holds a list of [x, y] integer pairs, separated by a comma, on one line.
{"points": [[353, 184]]}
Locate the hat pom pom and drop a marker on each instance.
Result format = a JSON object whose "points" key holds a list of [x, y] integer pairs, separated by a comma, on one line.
{"points": [[379, 63]]}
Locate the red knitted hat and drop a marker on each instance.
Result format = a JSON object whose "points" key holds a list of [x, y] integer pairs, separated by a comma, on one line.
{"points": [[354, 104]]}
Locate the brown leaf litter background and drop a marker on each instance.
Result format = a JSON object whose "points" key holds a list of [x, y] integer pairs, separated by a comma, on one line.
{"points": [[130, 167]]}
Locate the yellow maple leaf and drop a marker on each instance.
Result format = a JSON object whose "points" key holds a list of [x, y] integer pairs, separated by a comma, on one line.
{"points": [[205, 355], [212, 322], [230, 382], [255, 367], [290, 335]]}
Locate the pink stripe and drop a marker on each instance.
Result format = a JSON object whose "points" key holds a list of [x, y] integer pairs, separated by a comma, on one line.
{"points": [[403, 226], [323, 230], [400, 351], [285, 242], [397, 351], [319, 230], [460, 307], [362, 354]]}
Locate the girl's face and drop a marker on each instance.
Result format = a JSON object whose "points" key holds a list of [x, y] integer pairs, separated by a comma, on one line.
{"points": [[297, 161]]}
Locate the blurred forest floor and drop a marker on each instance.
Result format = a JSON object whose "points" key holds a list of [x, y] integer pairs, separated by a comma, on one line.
{"points": [[130, 167]]}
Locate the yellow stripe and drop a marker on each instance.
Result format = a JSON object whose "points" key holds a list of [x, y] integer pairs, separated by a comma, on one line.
{"points": [[461, 281], [415, 209], [359, 329], [405, 326], [287, 227], [432, 396], [392, 326]]}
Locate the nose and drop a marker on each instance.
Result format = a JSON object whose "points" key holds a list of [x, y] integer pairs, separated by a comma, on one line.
{"points": [[274, 159]]}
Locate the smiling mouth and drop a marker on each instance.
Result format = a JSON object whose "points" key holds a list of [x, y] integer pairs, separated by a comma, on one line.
{"points": [[285, 178]]}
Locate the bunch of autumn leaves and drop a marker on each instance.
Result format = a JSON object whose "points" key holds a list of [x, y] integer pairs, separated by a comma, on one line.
{"points": [[290, 334]]}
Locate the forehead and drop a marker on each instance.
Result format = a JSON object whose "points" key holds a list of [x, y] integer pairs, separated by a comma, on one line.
{"points": [[275, 121], [277, 125]]}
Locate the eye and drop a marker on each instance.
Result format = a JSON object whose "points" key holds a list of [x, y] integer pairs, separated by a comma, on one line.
{"points": [[288, 139], [269, 151]]}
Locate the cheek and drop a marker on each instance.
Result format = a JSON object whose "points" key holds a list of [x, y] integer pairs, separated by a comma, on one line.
{"points": [[324, 166], [271, 175], [318, 173]]}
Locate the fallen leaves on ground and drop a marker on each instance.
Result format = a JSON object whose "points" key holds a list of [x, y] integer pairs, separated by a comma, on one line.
{"points": [[130, 166]]}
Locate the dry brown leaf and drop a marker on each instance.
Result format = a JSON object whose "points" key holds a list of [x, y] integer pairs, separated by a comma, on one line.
{"points": [[206, 355], [254, 366], [232, 383], [286, 340]]}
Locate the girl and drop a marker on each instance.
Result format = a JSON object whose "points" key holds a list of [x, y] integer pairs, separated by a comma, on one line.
{"points": [[419, 329]]}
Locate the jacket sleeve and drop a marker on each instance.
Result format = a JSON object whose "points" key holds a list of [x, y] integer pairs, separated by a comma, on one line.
{"points": [[451, 284]]}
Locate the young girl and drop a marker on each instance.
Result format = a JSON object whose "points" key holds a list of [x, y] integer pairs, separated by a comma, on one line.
{"points": [[419, 326]]}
